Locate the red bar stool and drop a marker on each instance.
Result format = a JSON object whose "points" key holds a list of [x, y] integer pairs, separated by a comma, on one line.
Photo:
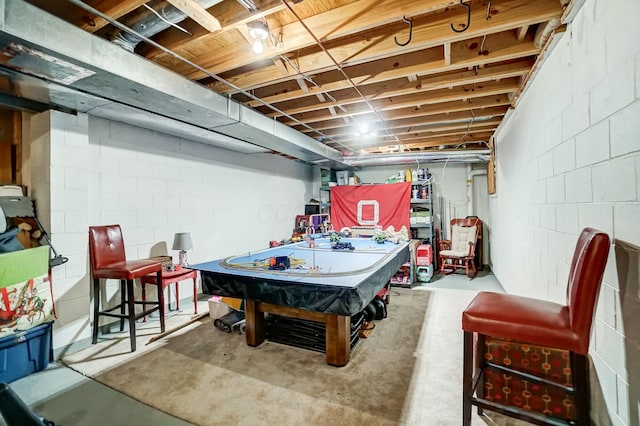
{"points": [[173, 277], [108, 261], [516, 320]]}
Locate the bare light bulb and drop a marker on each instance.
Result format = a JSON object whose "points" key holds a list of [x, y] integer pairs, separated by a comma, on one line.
{"points": [[258, 47]]}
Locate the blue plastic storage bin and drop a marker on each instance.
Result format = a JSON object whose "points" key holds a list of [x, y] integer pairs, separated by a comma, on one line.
{"points": [[25, 352]]}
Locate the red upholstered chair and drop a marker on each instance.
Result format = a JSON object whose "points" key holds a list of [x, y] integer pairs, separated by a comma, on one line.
{"points": [[108, 261], [546, 327]]}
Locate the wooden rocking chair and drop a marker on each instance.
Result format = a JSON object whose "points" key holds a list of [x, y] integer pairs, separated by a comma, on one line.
{"points": [[459, 251]]}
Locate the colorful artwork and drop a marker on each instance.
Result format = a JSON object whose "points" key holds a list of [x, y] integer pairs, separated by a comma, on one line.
{"points": [[25, 290], [24, 306]]}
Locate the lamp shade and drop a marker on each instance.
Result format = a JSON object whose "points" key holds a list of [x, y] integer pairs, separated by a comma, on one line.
{"points": [[182, 241]]}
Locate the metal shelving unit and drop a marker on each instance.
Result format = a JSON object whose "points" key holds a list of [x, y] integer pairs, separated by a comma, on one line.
{"points": [[325, 199], [421, 230]]}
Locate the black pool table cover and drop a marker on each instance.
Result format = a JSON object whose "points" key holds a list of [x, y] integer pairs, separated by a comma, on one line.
{"points": [[343, 283]]}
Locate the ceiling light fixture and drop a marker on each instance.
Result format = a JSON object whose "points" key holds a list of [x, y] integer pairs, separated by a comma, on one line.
{"points": [[366, 129], [259, 31]]}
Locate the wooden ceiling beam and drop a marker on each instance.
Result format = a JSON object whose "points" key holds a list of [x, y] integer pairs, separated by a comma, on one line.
{"points": [[425, 110], [460, 129], [436, 141], [501, 47], [401, 87], [435, 97], [431, 141], [522, 32], [416, 122], [457, 130], [428, 31], [447, 54], [199, 14], [230, 14], [281, 66], [338, 22], [114, 9], [87, 20]]}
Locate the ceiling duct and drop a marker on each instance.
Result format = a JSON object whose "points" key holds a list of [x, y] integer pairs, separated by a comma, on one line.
{"points": [[441, 156], [154, 20], [57, 64]]}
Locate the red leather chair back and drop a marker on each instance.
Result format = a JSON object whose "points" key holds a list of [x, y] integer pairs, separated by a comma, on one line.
{"points": [[106, 246], [585, 277]]}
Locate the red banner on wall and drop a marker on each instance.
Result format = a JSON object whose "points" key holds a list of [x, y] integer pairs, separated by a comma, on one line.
{"points": [[367, 205]]}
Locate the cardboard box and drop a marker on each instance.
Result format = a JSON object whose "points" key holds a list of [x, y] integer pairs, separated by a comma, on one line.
{"points": [[219, 306]]}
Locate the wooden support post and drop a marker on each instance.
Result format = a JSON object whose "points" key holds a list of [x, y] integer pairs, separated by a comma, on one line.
{"points": [[338, 339], [255, 323]]}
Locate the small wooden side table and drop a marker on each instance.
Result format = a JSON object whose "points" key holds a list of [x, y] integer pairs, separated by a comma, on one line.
{"points": [[173, 277]]}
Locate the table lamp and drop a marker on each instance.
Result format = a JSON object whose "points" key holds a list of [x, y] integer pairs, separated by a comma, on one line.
{"points": [[182, 242]]}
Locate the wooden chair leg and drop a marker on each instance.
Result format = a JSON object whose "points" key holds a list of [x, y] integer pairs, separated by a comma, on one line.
{"points": [[580, 375], [195, 296], [96, 310], [122, 303], [143, 288], [177, 285], [131, 307], [467, 378], [480, 361], [160, 299]]}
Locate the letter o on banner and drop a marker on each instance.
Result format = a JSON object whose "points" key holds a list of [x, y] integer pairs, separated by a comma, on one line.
{"points": [[376, 212]]}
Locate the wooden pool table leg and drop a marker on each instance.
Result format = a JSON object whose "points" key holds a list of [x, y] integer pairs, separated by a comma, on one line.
{"points": [[338, 339], [255, 323]]}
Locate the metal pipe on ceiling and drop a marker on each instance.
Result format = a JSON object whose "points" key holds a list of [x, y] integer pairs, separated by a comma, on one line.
{"points": [[81, 4], [468, 156]]}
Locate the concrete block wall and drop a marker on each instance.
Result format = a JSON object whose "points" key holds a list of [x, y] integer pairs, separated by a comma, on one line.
{"points": [[91, 171], [568, 157]]}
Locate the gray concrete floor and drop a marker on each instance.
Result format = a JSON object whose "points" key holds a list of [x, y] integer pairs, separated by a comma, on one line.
{"points": [[66, 397]]}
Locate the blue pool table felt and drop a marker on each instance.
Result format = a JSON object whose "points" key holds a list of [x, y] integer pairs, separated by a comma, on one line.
{"points": [[334, 267]]}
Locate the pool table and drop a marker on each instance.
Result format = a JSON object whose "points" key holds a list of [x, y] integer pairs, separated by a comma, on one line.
{"points": [[309, 281]]}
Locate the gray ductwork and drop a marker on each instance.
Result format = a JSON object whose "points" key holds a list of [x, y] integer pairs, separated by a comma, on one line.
{"points": [[150, 23], [57, 64], [440, 156]]}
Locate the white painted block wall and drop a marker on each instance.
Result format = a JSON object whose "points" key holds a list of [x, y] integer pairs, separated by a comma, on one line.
{"points": [[98, 172], [568, 157]]}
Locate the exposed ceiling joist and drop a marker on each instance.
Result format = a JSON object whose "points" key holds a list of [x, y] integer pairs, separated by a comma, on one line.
{"points": [[192, 9], [442, 88]]}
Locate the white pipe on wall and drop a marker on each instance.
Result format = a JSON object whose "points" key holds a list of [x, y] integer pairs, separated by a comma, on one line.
{"points": [[470, 175]]}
